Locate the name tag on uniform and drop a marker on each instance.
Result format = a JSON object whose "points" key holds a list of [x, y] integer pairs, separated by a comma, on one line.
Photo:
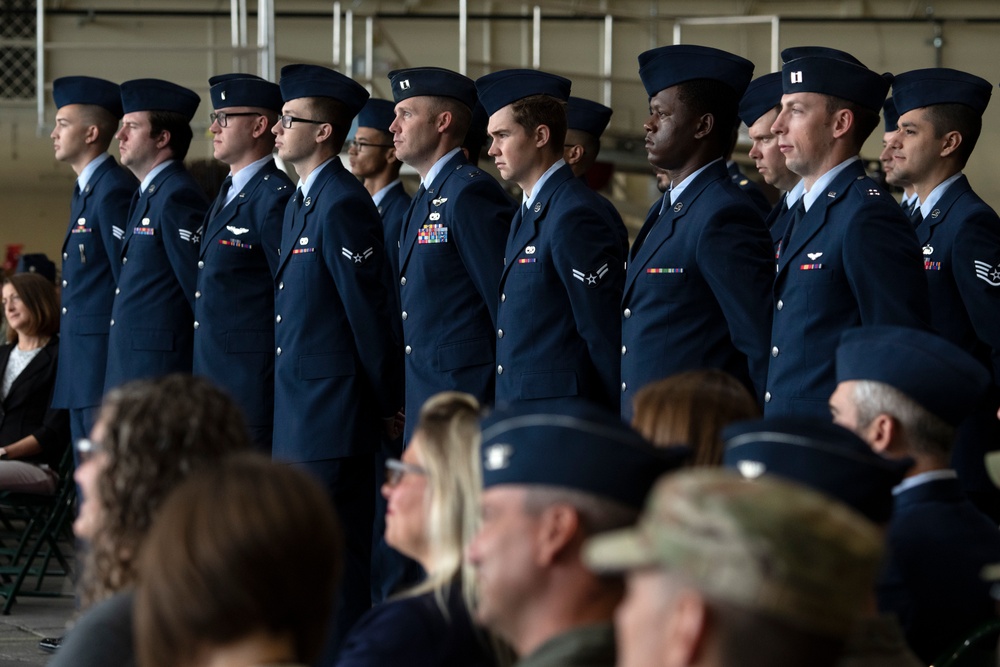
{"points": [[434, 233]]}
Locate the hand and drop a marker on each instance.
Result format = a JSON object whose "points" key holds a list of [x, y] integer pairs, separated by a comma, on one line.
{"points": [[393, 426]]}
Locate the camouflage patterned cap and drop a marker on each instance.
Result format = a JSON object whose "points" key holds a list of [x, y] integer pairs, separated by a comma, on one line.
{"points": [[768, 546]]}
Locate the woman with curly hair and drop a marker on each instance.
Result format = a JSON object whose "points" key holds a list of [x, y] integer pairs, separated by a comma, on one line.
{"points": [[149, 436], [432, 512]]}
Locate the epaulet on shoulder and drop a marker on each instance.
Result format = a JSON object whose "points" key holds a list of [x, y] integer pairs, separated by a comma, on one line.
{"points": [[867, 187]]}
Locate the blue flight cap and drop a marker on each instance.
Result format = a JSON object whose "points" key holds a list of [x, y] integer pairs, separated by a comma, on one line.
{"points": [[37, 263], [890, 115], [667, 66], [574, 444], [818, 69], [819, 454], [316, 81], [88, 90], [937, 374], [159, 95], [940, 85], [244, 90], [587, 116], [377, 114], [434, 81], [498, 89], [762, 95]]}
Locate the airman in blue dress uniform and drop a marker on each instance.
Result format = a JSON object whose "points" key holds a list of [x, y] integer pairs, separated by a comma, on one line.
{"points": [[558, 332], [338, 363], [849, 256], [452, 245], [152, 320], [698, 287], [88, 111], [940, 118], [234, 293]]}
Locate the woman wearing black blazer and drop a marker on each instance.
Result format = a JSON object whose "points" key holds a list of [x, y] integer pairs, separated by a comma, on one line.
{"points": [[33, 437]]}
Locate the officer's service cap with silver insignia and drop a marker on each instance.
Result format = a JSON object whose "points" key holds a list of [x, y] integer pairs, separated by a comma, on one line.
{"points": [[88, 90], [940, 85], [762, 95], [159, 95], [587, 116], [574, 444], [819, 454], [890, 115], [940, 376], [498, 89], [316, 81], [435, 81], [771, 547], [244, 90], [377, 114], [820, 69], [667, 66]]}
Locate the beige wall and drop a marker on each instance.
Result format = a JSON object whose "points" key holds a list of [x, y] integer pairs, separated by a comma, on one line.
{"points": [[34, 188]]}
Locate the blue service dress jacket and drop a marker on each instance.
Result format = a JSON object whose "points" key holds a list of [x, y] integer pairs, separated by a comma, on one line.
{"points": [[558, 329], [853, 260], [698, 289], [749, 187], [777, 221], [91, 260], [338, 363], [451, 257], [152, 319], [393, 207], [234, 296], [414, 632], [938, 543]]}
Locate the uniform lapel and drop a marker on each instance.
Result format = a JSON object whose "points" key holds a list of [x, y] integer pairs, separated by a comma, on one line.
{"points": [[231, 211], [532, 218], [940, 211], [420, 209], [297, 215]]}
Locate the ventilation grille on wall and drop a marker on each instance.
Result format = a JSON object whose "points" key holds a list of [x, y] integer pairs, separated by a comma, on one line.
{"points": [[17, 49]]}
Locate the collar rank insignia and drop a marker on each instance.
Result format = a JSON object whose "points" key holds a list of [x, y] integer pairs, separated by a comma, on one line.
{"points": [[935, 213], [751, 469], [357, 257], [497, 457], [591, 279], [538, 206], [678, 206], [988, 273]]}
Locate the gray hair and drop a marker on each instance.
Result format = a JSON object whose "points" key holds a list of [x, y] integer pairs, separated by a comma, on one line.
{"points": [[926, 433]]}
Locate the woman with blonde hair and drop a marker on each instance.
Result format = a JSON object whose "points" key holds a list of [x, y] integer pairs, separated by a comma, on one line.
{"points": [[691, 409], [432, 512]]}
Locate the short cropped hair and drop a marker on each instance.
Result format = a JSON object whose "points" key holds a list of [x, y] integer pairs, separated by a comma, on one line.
{"points": [[865, 120], [959, 118], [333, 111], [705, 96], [248, 546], [925, 432], [461, 115], [103, 120], [178, 127], [536, 110], [597, 514], [38, 295]]}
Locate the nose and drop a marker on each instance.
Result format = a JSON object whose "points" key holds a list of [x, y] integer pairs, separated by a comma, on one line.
{"points": [[120, 135], [394, 125], [52, 135], [778, 126], [754, 153], [276, 128]]}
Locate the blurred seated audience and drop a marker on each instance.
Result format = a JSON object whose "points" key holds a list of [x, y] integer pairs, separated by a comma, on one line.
{"points": [[250, 582], [33, 437]]}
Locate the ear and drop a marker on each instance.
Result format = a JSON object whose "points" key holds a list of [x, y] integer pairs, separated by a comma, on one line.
{"points": [[881, 433], [390, 155], [686, 629], [163, 140], [705, 124], [557, 529], [573, 153], [260, 127], [843, 121], [91, 135], [444, 121], [542, 135], [325, 132], [950, 143]]}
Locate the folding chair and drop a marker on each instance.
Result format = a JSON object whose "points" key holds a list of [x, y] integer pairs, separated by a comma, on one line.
{"points": [[44, 521], [977, 649]]}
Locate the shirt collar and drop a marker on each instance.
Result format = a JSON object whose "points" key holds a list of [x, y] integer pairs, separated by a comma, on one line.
{"points": [[675, 190], [923, 478], [795, 194], [935, 196], [305, 185], [153, 173], [87, 172], [438, 166], [243, 176], [380, 195], [525, 199], [810, 196]]}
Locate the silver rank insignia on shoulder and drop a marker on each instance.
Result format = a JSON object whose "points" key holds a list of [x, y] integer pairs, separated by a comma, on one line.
{"points": [[530, 250], [751, 469], [357, 257], [591, 279], [538, 206], [988, 273], [497, 457], [237, 230], [304, 240], [874, 192], [435, 216], [145, 222], [928, 249], [194, 237], [439, 201]]}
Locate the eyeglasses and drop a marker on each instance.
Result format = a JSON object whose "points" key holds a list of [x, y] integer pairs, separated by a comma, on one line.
{"points": [[87, 449], [286, 121], [359, 145], [396, 469], [222, 118]]}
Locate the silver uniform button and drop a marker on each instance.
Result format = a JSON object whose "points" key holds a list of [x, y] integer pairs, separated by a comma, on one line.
{"points": [[404, 315], [767, 397], [503, 297], [65, 283], [278, 352], [408, 349], [281, 285], [196, 325], [499, 333], [197, 294], [118, 291], [624, 350], [112, 323], [278, 319], [63, 311], [628, 313], [774, 351], [624, 386], [124, 260], [402, 280], [499, 370], [201, 264], [781, 304], [65, 255]]}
